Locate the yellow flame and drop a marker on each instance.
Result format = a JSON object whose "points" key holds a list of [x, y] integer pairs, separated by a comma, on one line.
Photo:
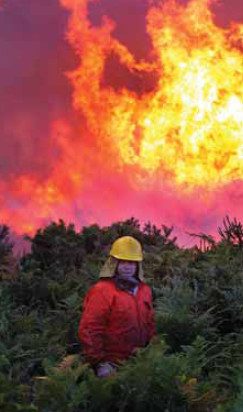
{"points": [[191, 124]]}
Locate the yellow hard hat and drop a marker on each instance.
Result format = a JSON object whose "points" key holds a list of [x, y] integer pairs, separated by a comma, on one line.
{"points": [[127, 248]]}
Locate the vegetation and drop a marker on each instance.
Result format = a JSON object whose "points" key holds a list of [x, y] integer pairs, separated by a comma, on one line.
{"points": [[194, 364]]}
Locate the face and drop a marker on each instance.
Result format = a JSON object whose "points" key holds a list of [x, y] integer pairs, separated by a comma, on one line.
{"points": [[127, 267]]}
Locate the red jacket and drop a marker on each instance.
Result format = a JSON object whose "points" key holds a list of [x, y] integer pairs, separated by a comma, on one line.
{"points": [[114, 322]]}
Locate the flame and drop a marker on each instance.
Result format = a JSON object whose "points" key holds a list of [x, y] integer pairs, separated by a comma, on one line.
{"points": [[146, 152], [27, 202], [191, 124]]}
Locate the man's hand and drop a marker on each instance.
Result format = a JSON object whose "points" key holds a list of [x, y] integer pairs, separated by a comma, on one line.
{"points": [[104, 370]]}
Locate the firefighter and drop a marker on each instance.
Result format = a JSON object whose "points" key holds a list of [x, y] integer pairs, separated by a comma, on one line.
{"points": [[118, 314]]}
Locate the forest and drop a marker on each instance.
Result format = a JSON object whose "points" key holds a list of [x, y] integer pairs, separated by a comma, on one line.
{"points": [[195, 362]]}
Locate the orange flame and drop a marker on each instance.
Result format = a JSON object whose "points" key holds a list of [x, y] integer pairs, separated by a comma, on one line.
{"points": [[143, 152], [191, 125], [34, 201]]}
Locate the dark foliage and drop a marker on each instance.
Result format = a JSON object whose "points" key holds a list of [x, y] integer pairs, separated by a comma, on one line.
{"points": [[232, 231], [193, 365], [6, 246]]}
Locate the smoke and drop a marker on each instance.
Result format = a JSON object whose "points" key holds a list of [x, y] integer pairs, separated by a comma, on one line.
{"points": [[34, 90]]}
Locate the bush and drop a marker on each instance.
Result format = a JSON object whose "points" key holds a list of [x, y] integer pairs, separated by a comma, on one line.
{"points": [[194, 366]]}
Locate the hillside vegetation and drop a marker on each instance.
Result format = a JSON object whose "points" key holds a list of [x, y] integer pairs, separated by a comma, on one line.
{"points": [[195, 364]]}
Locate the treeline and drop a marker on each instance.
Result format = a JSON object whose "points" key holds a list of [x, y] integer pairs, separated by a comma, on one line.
{"points": [[196, 362]]}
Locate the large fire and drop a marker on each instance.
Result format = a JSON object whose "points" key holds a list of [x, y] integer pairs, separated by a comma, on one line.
{"points": [[188, 131], [177, 142]]}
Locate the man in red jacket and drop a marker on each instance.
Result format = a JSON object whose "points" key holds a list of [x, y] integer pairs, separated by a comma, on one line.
{"points": [[118, 314]]}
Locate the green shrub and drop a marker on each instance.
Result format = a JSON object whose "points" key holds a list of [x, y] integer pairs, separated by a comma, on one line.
{"points": [[195, 366]]}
